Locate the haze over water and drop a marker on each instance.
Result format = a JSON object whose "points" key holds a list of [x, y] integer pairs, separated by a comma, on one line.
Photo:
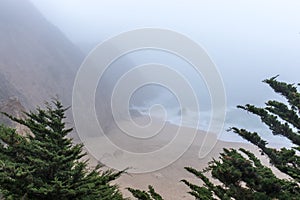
{"points": [[248, 42]]}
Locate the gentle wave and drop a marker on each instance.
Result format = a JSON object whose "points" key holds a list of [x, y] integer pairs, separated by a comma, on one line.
{"points": [[234, 118]]}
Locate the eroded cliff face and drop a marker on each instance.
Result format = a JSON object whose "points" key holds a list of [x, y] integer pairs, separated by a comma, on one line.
{"points": [[13, 107], [35, 57], [37, 62], [7, 90]]}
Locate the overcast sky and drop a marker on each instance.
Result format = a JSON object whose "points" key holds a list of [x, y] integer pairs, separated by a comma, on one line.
{"points": [[101, 18], [248, 40]]}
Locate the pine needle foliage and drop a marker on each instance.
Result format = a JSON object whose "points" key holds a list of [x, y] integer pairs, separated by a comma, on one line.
{"points": [[46, 164]]}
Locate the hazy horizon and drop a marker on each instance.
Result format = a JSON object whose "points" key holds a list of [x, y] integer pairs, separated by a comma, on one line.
{"points": [[159, 91], [248, 41]]}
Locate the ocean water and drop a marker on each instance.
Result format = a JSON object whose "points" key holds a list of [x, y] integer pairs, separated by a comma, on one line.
{"points": [[234, 118]]}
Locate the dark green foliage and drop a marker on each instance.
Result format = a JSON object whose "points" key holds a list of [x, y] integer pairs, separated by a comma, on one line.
{"points": [[269, 116], [145, 195], [242, 174], [288, 91], [286, 160], [46, 164], [235, 170]]}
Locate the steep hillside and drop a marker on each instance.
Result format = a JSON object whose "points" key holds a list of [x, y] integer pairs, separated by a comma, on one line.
{"points": [[35, 57], [7, 90], [38, 62], [12, 106]]}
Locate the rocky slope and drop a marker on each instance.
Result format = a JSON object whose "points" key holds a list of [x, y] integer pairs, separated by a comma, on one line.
{"points": [[35, 57], [12, 106], [38, 62]]}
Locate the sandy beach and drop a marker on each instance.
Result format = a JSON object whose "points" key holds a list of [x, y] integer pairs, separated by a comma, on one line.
{"points": [[166, 180]]}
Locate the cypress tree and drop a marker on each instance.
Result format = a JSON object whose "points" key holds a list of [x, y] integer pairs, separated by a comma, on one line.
{"points": [[240, 172], [46, 164]]}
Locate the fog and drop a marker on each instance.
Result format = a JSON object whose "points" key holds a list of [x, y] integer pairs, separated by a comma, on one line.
{"points": [[248, 41]]}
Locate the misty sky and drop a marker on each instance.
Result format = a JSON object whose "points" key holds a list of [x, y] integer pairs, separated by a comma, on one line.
{"points": [[248, 40]]}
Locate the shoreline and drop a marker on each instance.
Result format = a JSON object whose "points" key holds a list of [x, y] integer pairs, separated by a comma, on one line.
{"points": [[166, 181]]}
